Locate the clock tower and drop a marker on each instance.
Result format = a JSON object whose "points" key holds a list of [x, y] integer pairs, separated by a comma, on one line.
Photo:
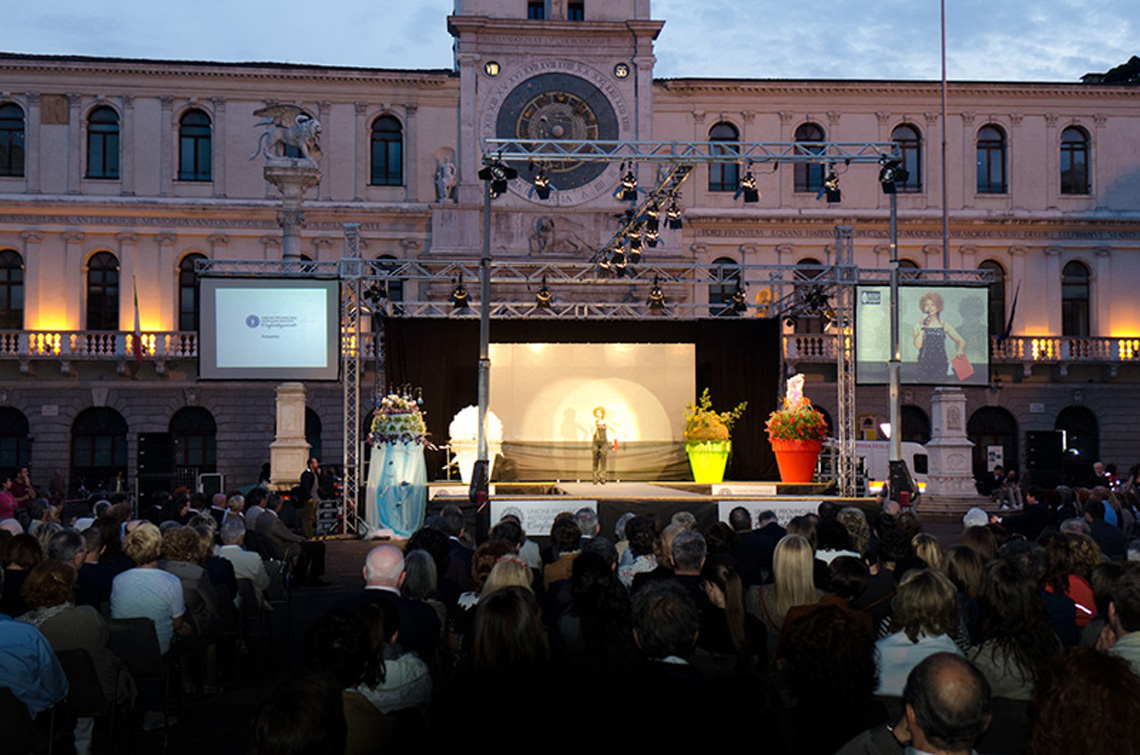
{"points": [[550, 70]]}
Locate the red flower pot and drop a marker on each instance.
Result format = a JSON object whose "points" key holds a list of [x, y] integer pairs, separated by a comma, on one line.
{"points": [[796, 458]]}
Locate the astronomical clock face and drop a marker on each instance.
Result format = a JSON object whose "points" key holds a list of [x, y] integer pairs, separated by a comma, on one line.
{"points": [[558, 106]]}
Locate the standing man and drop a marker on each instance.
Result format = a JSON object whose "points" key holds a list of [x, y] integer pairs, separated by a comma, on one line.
{"points": [[22, 489], [310, 494]]}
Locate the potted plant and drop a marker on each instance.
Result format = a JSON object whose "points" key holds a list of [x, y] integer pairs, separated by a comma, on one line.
{"points": [[707, 437], [796, 431]]}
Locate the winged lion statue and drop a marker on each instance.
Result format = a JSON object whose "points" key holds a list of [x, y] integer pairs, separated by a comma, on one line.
{"points": [[288, 125]]}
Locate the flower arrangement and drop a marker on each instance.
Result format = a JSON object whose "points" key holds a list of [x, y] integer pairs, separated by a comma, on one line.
{"points": [[703, 424], [797, 419], [398, 419]]}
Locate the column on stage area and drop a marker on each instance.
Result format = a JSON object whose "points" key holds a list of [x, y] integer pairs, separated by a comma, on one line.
{"points": [[950, 481]]}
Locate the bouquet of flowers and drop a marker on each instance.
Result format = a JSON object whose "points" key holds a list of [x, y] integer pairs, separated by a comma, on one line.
{"points": [[797, 419], [704, 424], [398, 419]]}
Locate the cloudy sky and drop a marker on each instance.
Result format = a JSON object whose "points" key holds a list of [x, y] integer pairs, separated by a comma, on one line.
{"points": [[1016, 40]]}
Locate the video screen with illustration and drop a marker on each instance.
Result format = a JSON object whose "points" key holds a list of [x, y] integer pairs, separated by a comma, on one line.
{"points": [[943, 334]]}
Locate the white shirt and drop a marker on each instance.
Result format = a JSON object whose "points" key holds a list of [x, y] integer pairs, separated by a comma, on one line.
{"points": [[150, 593]]}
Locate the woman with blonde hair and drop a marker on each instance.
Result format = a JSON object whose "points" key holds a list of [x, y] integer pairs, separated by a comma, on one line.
{"points": [[793, 566], [508, 571], [924, 617], [927, 547]]}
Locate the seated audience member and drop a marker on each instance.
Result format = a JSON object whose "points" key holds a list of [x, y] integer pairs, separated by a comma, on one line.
{"points": [[597, 627], [1072, 557], [29, 668], [639, 556], [393, 679], [307, 555], [924, 618], [1122, 635], [834, 541], [246, 564], [727, 629], [1086, 701], [1016, 638], [24, 554], [830, 671], [383, 575], [484, 559], [1103, 579], [927, 547], [794, 585], [947, 704], [421, 580], [1061, 608], [305, 716], [1110, 539], [339, 643], [566, 536]]}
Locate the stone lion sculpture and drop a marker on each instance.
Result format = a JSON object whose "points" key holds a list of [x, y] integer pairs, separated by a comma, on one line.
{"points": [[289, 126]]}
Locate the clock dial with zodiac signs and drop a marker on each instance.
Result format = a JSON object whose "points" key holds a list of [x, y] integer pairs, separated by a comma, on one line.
{"points": [[558, 106]]}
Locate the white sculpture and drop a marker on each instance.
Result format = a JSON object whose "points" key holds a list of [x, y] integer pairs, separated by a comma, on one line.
{"points": [[290, 126], [446, 177]]}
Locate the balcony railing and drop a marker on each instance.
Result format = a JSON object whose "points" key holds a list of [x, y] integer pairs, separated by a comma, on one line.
{"points": [[96, 345], [1026, 350]]}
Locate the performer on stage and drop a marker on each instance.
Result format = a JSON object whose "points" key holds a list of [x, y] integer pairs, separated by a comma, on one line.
{"points": [[930, 339], [601, 445]]}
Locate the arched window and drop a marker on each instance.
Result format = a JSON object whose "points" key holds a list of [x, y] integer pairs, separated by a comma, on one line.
{"points": [[194, 146], [11, 140], [387, 152], [996, 297], [103, 143], [194, 433], [910, 145], [1075, 299], [726, 279], [313, 433], [724, 176], [915, 424], [11, 290], [188, 292], [15, 443], [1074, 161], [991, 160], [103, 292], [98, 447], [1081, 440], [909, 270], [809, 177], [992, 426]]}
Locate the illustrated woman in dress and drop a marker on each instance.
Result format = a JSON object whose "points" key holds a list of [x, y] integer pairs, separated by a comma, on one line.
{"points": [[930, 339]]}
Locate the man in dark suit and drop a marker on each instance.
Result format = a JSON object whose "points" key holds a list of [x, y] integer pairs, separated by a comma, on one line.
{"points": [[753, 548], [310, 494], [383, 576], [308, 556]]}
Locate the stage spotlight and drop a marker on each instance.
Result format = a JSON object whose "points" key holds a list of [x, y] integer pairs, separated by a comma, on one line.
{"points": [[891, 173], [748, 188], [498, 174], [542, 184], [830, 188], [544, 298], [460, 299], [673, 216], [618, 259], [739, 302], [627, 190], [656, 301]]}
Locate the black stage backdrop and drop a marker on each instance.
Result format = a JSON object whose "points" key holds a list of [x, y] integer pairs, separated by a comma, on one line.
{"points": [[737, 360]]}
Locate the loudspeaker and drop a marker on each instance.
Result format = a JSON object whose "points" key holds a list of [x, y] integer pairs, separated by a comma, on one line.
{"points": [[156, 454], [1043, 449]]}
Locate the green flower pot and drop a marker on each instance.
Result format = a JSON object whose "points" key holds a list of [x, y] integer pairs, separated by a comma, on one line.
{"points": [[708, 459]]}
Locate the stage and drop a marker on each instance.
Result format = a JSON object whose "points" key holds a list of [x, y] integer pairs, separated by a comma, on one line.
{"points": [[537, 503]]}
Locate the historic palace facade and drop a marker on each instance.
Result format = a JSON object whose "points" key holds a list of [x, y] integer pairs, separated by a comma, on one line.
{"points": [[117, 175]]}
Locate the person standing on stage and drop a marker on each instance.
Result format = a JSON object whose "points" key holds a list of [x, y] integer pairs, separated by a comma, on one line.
{"points": [[601, 445], [310, 494]]}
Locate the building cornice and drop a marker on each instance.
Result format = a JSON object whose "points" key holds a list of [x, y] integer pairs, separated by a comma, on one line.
{"points": [[865, 88]]}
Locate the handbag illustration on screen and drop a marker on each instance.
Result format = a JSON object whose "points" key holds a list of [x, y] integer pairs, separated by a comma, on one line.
{"points": [[962, 367]]}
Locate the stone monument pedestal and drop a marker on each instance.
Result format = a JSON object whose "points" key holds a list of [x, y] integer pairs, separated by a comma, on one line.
{"points": [[289, 453], [950, 488]]}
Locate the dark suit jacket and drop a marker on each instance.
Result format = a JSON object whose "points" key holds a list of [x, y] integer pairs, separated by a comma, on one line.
{"points": [[754, 555]]}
